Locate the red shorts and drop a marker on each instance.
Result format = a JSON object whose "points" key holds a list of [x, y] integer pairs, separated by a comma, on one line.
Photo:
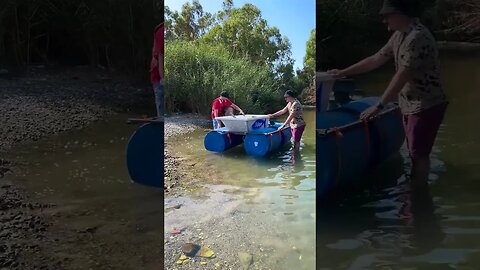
{"points": [[297, 133], [421, 130]]}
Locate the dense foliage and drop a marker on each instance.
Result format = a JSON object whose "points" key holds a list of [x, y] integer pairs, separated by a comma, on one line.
{"points": [[116, 34], [234, 49], [352, 29]]}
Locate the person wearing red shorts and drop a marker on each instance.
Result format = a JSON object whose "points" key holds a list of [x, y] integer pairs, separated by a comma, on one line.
{"points": [[295, 118], [416, 82]]}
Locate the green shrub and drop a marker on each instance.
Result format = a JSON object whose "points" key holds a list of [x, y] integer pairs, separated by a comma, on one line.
{"points": [[196, 73]]}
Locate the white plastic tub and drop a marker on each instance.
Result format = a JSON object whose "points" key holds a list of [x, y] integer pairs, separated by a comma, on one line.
{"points": [[244, 123], [324, 84]]}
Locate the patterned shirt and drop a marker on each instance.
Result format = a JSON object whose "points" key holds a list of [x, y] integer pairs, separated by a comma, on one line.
{"points": [[416, 49], [296, 110]]}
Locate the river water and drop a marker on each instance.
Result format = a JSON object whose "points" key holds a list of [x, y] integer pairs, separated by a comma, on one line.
{"points": [[384, 227], [282, 190], [389, 227]]}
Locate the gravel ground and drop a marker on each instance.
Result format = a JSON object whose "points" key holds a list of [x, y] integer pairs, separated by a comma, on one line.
{"points": [[184, 123], [36, 106], [175, 167]]}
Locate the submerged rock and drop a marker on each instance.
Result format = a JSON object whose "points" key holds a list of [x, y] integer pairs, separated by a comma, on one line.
{"points": [[206, 252], [190, 249], [246, 259]]}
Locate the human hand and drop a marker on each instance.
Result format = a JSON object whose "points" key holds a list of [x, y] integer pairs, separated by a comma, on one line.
{"points": [[369, 113], [241, 112], [336, 73]]}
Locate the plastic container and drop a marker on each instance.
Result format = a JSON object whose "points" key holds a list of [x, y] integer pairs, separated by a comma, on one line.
{"points": [[244, 123], [324, 86], [262, 142], [286, 133], [346, 156], [145, 155], [220, 140]]}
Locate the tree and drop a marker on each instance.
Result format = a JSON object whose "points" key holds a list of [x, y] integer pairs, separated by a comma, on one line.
{"points": [[286, 77], [309, 59], [245, 33], [463, 18], [188, 24]]}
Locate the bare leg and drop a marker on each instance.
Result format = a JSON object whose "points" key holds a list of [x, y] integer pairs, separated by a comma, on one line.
{"points": [[296, 146]]}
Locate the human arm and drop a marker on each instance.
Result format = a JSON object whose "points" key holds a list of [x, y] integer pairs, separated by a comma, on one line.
{"points": [[289, 119], [281, 112], [401, 77], [368, 64], [237, 108], [410, 60]]}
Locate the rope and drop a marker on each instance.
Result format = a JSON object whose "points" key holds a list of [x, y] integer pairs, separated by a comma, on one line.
{"points": [[270, 142], [367, 135], [338, 136], [229, 138]]}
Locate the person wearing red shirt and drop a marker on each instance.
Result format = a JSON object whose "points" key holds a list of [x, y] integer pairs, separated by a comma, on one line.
{"points": [[157, 68], [218, 106]]}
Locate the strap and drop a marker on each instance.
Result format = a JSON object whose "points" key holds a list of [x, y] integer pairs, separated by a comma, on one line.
{"points": [[338, 136], [229, 138], [270, 142], [366, 128]]}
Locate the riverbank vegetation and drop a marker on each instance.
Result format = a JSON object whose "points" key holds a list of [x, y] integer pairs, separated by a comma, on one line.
{"points": [[235, 50], [114, 35], [351, 30]]}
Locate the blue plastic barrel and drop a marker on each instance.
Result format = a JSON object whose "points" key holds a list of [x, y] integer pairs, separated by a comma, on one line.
{"points": [[260, 143], [219, 140], [346, 156], [145, 155], [286, 133]]}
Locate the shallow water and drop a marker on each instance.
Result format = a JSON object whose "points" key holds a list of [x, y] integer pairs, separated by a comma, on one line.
{"points": [[388, 227], [282, 190], [84, 174], [384, 227]]}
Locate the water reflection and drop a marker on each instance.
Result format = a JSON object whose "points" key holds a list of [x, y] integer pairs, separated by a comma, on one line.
{"points": [[386, 221], [418, 211]]}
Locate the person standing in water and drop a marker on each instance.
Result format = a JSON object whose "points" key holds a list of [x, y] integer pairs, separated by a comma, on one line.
{"points": [[416, 83], [157, 76], [295, 117]]}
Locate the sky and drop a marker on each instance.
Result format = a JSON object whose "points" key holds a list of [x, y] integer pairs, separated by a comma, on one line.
{"points": [[294, 18]]}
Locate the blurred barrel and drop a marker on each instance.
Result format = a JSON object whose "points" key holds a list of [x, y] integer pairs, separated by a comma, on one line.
{"points": [[346, 153], [263, 141], [286, 133], [145, 157], [218, 141]]}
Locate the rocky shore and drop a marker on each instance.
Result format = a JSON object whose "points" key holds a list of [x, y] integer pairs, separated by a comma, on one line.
{"points": [[36, 106]]}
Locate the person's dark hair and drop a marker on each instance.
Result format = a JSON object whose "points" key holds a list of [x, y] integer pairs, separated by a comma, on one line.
{"points": [[290, 93], [224, 94]]}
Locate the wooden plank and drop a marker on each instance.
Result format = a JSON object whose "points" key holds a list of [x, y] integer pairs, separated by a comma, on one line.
{"points": [[145, 120]]}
